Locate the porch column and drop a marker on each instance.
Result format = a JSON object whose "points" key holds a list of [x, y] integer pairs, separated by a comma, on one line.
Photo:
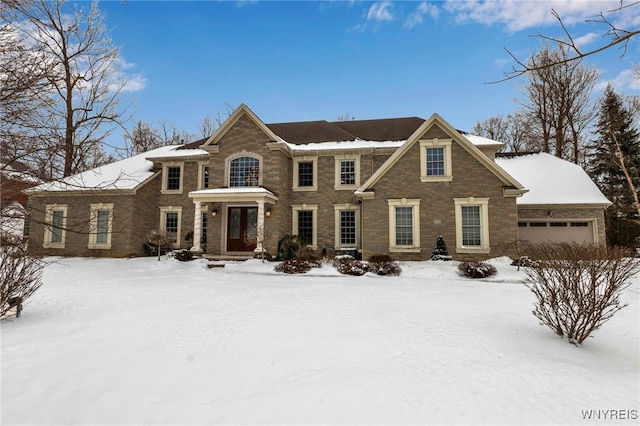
{"points": [[197, 227], [260, 227]]}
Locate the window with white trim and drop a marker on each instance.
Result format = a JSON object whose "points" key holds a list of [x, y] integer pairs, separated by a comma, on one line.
{"points": [[305, 174], [171, 221], [347, 225], [55, 225], [243, 169], [472, 225], [172, 175], [435, 160], [347, 172], [404, 225], [100, 226], [204, 176], [305, 223]]}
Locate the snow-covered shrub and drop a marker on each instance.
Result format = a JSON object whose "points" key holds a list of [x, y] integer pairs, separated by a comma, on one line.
{"points": [[20, 277], [183, 255], [440, 252], [348, 265], [525, 261], [383, 264], [476, 269], [578, 286], [298, 265]]}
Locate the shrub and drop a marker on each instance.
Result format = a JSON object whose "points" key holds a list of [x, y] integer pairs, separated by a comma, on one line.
{"points": [[290, 246], [20, 277], [525, 261], [383, 264], [159, 242], [348, 265], [297, 265], [578, 286], [183, 255], [476, 269], [440, 252]]}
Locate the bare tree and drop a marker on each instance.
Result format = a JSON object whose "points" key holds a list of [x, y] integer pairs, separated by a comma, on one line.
{"points": [[82, 93], [514, 131], [207, 126], [141, 139], [345, 117], [612, 35], [559, 102], [170, 135]]}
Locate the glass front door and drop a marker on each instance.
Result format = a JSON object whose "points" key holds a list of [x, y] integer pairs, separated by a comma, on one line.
{"points": [[242, 226]]}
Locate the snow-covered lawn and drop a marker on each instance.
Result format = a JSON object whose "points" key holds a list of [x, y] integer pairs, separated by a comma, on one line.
{"points": [[137, 341]]}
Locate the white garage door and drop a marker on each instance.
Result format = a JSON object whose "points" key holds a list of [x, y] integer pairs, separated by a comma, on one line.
{"points": [[555, 231]]}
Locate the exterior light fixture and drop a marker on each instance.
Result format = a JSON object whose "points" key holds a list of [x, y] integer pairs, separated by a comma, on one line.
{"points": [[267, 213], [214, 213]]}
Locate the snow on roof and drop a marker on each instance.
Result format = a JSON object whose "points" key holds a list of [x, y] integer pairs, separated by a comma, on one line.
{"points": [[480, 140], [123, 174], [235, 190], [551, 180], [10, 172]]}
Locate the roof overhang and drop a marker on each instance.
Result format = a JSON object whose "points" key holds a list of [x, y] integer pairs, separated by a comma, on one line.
{"points": [[230, 195]]}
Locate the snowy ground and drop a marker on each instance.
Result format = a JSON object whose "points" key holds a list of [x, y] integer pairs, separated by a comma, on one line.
{"points": [[143, 342]]}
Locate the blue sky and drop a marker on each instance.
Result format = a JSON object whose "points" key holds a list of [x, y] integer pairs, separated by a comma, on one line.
{"points": [[312, 60]]}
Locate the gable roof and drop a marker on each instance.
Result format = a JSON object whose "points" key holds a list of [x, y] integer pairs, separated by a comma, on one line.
{"points": [[456, 135], [233, 118], [552, 180]]}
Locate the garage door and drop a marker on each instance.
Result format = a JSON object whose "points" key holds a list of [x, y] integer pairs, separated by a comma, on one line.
{"points": [[555, 231]]}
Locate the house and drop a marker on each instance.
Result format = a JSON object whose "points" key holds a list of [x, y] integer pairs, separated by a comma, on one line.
{"points": [[361, 187], [15, 178]]}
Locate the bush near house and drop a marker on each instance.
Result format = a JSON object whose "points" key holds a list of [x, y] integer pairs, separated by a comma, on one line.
{"points": [[476, 269], [578, 286], [383, 264], [183, 255], [298, 265], [290, 246], [347, 265]]}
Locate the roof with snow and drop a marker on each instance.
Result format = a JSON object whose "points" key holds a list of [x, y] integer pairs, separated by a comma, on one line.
{"points": [[551, 180], [123, 174]]}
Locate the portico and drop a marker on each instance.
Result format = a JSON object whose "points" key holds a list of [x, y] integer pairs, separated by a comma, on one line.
{"points": [[242, 214]]}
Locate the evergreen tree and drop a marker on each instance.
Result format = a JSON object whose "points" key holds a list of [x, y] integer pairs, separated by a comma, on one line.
{"points": [[616, 169], [440, 252]]}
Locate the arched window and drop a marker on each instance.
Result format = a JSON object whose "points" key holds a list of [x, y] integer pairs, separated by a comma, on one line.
{"points": [[244, 171]]}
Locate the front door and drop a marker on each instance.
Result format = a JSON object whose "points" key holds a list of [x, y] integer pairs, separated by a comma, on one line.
{"points": [[241, 228]]}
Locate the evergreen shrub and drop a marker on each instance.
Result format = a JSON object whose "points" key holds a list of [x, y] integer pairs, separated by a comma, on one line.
{"points": [[476, 269]]}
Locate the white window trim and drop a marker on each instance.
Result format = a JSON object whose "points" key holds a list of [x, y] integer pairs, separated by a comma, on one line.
{"points": [[163, 220], [243, 153], [296, 163], [484, 246], [93, 226], [337, 209], [165, 176], [201, 166], [356, 159], [431, 143], [48, 232], [294, 227], [403, 202]]}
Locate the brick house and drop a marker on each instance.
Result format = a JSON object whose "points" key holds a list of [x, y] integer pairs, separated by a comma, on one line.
{"points": [[15, 178], [367, 186]]}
